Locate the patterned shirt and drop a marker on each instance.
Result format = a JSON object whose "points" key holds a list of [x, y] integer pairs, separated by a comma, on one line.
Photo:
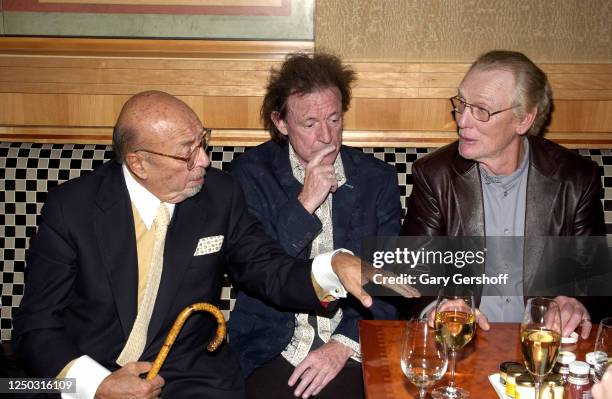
{"points": [[304, 338]]}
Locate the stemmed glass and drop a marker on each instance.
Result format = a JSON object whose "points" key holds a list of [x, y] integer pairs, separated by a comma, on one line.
{"points": [[455, 325], [540, 338], [603, 348], [424, 359]]}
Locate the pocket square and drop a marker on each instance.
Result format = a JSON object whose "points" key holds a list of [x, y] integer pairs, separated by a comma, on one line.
{"points": [[208, 245]]}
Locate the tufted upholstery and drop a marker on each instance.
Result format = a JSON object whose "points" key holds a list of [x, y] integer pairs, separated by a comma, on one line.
{"points": [[29, 170]]}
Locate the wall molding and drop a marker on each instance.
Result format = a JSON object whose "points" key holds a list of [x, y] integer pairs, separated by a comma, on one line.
{"points": [[160, 48], [71, 90]]}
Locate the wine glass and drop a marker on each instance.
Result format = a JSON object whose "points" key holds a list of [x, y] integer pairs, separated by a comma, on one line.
{"points": [[455, 321], [603, 348], [424, 359], [540, 338]]}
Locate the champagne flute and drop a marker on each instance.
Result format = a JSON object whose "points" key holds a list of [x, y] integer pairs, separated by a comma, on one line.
{"points": [[455, 325], [424, 359], [603, 348], [540, 338]]}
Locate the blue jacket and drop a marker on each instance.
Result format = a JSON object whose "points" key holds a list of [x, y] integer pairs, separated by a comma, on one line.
{"points": [[368, 204]]}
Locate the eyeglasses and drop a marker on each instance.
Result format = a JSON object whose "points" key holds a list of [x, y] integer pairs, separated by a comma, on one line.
{"points": [[479, 113], [193, 155]]}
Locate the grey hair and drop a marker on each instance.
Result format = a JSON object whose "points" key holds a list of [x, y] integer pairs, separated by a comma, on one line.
{"points": [[532, 88]]}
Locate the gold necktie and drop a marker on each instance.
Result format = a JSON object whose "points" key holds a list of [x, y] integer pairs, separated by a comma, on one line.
{"points": [[138, 336]]}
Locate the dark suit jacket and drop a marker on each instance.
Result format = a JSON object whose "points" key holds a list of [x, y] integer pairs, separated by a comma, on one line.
{"points": [[81, 280], [368, 204], [563, 191]]}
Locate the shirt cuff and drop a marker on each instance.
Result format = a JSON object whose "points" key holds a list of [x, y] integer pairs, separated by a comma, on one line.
{"points": [[351, 344], [324, 275], [88, 374]]}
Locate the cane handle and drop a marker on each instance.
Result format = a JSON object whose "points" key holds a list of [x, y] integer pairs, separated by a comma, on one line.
{"points": [[176, 328]]}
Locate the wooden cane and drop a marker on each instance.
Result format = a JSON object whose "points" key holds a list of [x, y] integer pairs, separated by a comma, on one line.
{"points": [[176, 328]]}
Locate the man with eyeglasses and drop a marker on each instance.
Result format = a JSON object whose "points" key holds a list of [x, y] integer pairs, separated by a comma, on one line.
{"points": [[501, 179], [122, 251]]}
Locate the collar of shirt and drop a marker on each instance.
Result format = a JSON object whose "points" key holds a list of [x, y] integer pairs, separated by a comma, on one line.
{"points": [[299, 170], [145, 202], [507, 182]]}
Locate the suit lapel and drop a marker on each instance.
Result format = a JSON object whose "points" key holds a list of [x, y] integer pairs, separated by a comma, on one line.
{"points": [[468, 202], [344, 204], [114, 229], [182, 237], [542, 190], [283, 172], [542, 194]]}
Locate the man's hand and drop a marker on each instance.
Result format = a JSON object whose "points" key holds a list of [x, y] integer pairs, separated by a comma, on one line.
{"points": [[319, 181], [603, 389], [126, 383], [574, 314], [353, 277], [319, 368]]}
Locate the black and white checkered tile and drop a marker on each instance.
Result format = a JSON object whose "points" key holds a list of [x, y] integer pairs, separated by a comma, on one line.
{"points": [[29, 170]]}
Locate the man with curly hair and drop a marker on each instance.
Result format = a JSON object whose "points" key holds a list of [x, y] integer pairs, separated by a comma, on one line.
{"points": [[313, 195]]}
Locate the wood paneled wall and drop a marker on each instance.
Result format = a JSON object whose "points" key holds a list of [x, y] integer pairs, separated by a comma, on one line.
{"points": [[71, 90]]}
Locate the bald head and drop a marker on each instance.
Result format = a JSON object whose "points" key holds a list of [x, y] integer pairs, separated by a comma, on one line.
{"points": [[160, 141], [146, 116]]}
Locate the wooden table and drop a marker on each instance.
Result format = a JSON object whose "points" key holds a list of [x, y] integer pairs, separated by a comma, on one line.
{"points": [[381, 343]]}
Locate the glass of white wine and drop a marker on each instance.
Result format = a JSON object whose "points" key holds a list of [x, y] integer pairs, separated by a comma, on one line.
{"points": [[603, 348], [540, 338], [454, 321], [424, 358]]}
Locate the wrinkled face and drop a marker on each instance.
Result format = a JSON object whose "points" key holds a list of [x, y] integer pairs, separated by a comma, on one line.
{"points": [[169, 179], [496, 141], [313, 121]]}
